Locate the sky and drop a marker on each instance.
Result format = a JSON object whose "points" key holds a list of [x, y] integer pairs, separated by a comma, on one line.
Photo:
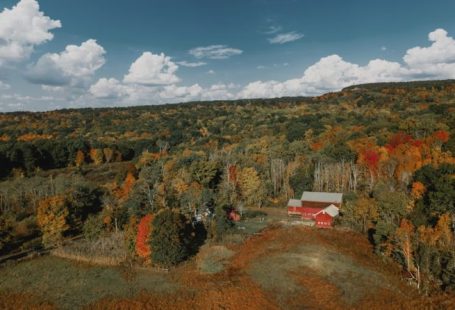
{"points": [[74, 54]]}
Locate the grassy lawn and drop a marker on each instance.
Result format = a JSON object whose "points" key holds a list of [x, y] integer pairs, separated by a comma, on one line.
{"points": [[70, 286]]}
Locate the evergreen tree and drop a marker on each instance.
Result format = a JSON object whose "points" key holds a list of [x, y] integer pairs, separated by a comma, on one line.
{"points": [[170, 239]]}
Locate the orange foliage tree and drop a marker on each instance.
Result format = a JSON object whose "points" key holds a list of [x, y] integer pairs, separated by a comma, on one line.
{"points": [[128, 184], [97, 156], [418, 189], [144, 232], [80, 158]]}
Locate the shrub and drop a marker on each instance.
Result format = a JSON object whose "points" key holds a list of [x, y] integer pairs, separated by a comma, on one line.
{"points": [[93, 227]]}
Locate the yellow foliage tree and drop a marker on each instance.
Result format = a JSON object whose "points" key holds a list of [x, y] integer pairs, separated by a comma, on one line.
{"points": [[366, 211], [108, 154], [96, 155], [404, 236], [80, 158], [250, 185], [51, 217]]}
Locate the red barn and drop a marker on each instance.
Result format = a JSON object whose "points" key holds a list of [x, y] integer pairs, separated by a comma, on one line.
{"points": [[312, 203], [324, 218]]}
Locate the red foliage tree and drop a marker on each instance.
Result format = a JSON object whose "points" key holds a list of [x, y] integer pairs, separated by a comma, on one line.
{"points": [[232, 174], [441, 135], [398, 139], [371, 159], [144, 231]]}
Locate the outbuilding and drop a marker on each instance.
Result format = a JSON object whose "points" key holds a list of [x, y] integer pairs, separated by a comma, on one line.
{"points": [[324, 218], [320, 207]]}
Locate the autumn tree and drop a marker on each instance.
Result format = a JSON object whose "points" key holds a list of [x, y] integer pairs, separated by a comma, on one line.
{"points": [[366, 212], [80, 158], [144, 232], [404, 239], [250, 186], [52, 218], [108, 154], [97, 156]]}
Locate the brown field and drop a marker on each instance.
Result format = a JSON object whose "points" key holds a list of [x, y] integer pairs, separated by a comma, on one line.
{"points": [[283, 267]]}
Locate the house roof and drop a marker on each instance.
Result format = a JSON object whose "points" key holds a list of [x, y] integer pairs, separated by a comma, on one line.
{"points": [[331, 210], [322, 197], [294, 203]]}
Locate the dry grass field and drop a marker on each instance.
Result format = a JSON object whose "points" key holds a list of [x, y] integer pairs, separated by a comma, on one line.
{"points": [[282, 267]]}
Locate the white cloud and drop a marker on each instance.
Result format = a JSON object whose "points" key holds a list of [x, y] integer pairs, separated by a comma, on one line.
{"points": [[215, 52], [191, 64], [108, 88], [152, 69], [437, 60], [329, 73], [282, 38], [173, 92], [273, 29], [22, 28], [4, 86], [211, 72], [332, 73], [72, 65], [218, 92]]}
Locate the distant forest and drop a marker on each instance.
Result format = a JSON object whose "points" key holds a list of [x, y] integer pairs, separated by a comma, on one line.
{"points": [[388, 147]]}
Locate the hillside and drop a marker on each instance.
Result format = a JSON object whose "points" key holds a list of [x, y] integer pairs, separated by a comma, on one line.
{"points": [[157, 186]]}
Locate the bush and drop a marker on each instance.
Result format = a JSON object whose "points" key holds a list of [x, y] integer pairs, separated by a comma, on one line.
{"points": [[93, 227]]}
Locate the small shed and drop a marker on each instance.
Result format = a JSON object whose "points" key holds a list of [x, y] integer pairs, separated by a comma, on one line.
{"points": [[294, 207]]}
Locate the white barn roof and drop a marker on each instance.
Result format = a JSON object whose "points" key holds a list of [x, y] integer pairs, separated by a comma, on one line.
{"points": [[294, 203], [322, 197], [331, 210]]}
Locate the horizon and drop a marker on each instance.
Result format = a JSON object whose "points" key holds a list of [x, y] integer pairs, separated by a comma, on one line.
{"points": [[65, 56], [170, 104]]}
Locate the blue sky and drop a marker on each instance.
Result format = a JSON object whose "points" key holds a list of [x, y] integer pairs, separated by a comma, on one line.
{"points": [[82, 53]]}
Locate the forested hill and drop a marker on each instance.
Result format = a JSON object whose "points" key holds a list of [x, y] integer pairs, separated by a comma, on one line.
{"points": [[53, 138]]}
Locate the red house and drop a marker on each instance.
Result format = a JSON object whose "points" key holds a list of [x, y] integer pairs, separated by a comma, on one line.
{"points": [[314, 203]]}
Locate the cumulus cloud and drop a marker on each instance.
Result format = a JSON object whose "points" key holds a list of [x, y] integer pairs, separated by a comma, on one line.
{"points": [[219, 92], [153, 81], [437, 60], [174, 92], [332, 73], [215, 52], [282, 38], [73, 64], [191, 64], [22, 28], [108, 89], [152, 69]]}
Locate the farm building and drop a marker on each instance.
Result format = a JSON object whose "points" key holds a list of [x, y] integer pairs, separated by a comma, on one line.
{"points": [[317, 206]]}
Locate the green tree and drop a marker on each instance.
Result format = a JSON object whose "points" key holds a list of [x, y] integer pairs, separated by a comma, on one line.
{"points": [[170, 239]]}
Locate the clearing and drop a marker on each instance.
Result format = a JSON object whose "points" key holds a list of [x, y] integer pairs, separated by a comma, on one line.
{"points": [[281, 267]]}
